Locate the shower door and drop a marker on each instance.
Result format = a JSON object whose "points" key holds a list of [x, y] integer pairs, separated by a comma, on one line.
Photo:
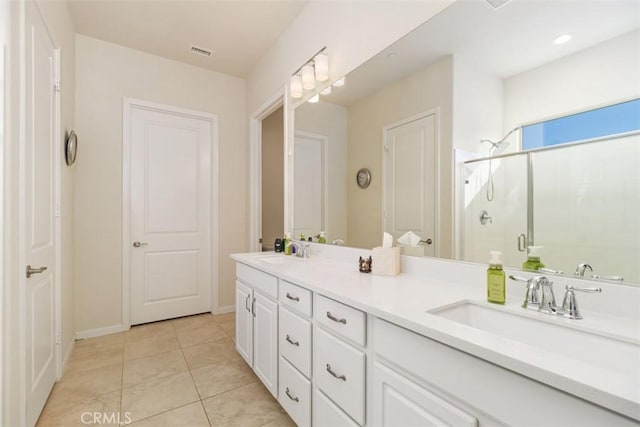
{"points": [[495, 209]]}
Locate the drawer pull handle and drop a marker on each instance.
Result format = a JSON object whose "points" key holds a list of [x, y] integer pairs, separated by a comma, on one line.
{"points": [[296, 343], [297, 299], [335, 319], [295, 399], [333, 373]]}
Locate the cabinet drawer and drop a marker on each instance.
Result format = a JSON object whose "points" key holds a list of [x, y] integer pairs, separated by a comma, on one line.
{"points": [[295, 340], [295, 394], [327, 414], [257, 279], [346, 321], [339, 371], [296, 297]]}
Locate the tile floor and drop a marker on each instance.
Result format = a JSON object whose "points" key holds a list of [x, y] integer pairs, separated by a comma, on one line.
{"points": [[180, 372]]}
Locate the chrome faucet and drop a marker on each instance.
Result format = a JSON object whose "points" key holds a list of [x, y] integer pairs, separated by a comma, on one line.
{"points": [[532, 300], [302, 249], [570, 304], [581, 268], [548, 302]]}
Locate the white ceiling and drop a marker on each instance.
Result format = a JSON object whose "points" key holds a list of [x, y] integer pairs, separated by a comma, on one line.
{"points": [[514, 38], [237, 31]]}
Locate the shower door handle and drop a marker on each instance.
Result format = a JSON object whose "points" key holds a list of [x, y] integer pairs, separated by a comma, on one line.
{"points": [[522, 242]]}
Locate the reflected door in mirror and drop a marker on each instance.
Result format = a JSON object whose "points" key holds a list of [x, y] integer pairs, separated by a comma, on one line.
{"points": [[409, 180], [309, 184]]}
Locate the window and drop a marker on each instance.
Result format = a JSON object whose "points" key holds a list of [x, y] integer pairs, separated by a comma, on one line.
{"points": [[611, 120]]}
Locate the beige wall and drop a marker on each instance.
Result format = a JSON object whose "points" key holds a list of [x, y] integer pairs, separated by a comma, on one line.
{"points": [[427, 89], [330, 120], [105, 73], [58, 20], [272, 177]]}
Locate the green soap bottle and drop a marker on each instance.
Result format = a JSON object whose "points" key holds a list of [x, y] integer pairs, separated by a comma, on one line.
{"points": [[287, 243], [533, 259], [495, 279], [322, 238]]}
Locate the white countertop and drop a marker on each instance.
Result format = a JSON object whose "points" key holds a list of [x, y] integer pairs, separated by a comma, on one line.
{"points": [[405, 299]]}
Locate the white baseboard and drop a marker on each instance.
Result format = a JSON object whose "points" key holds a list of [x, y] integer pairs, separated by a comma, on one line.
{"points": [[67, 357], [225, 309], [98, 332]]}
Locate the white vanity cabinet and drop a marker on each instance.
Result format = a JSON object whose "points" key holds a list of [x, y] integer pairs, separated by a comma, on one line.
{"points": [[257, 323]]}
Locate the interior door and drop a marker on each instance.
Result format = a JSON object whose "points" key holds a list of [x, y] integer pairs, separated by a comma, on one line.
{"points": [[309, 185], [170, 265], [38, 232], [409, 180]]}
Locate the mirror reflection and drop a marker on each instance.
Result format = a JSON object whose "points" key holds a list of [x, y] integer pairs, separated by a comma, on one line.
{"points": [[415, 113]]}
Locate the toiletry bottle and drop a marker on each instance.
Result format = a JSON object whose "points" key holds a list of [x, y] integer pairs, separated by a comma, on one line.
{"points": [[495, 278], [533, 259], [287, 243], [322, 238]]}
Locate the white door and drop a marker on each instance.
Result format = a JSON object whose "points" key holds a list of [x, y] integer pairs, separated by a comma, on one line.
{"points": [[244, 322], [309, 185], [409, 180], [399, 402], [38, 231], [265, 342], [170, 215]]}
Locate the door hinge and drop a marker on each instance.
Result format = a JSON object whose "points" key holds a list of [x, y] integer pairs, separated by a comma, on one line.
{"points": [[56, 211], [386, 148], [56, 86], [58, 339]]}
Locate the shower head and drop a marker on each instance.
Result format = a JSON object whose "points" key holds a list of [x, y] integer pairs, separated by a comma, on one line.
{"points": [[496, 144]]}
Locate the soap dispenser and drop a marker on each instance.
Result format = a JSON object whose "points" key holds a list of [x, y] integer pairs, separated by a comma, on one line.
{"points": [[533, 259], [495, 279]]}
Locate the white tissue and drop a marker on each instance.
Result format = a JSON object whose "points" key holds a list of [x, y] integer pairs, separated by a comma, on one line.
{"points": [[409, 239], [387, 240]]}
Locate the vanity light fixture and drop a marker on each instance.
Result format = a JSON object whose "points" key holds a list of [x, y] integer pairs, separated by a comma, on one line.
{"points": [[305, 77], [308, 80], [315, 98], [322, 67], [339, 82], [562, 39], [296, 86]]}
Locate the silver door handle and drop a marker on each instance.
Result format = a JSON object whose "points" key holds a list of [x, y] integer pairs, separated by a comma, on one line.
{"points": [[138, 244], [31, 271]]}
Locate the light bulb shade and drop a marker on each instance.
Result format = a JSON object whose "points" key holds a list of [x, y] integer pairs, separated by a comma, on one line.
{"points": [[339, 82], [315, 98], [321, 62], [308, 78], [295, 86], [326, 91]]}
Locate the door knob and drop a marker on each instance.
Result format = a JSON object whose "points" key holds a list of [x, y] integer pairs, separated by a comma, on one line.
{"points": [[428, 241], [138, 244], [31, 271]]}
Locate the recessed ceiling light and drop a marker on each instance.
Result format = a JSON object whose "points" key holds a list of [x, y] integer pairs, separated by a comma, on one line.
{"points": [[562, 39]]}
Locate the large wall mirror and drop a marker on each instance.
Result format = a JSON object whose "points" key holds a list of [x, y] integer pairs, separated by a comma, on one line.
{"points": [[414, 116]]}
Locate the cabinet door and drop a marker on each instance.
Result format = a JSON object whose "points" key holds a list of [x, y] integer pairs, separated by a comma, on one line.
{"points": [[244, 322], [399, 402], [265, 341]]}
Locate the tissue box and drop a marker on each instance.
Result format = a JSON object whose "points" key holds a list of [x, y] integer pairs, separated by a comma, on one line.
{"points": [[417, 250], [386, 261]]}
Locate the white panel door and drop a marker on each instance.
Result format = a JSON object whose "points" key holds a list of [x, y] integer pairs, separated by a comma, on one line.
{"points": [[409, 180], [265, 341], [244, 322], [399, 402], [38, 233], [170, 215], [309, 185]]}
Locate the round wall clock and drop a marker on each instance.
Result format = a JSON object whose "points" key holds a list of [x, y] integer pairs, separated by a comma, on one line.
{"points": [[363, 178], [71, 148]]}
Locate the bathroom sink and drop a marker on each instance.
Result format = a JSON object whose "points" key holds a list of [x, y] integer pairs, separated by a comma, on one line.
{"points": [[277, 259], [549, 333]]}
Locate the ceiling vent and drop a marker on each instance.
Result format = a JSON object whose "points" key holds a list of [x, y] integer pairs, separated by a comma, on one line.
{"points": [[496, 4], [200, 51]]}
